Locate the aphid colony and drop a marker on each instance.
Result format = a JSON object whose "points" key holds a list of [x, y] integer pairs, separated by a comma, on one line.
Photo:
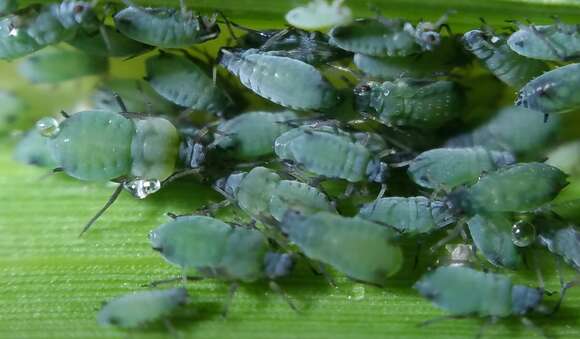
{"points": [[329, 132]]}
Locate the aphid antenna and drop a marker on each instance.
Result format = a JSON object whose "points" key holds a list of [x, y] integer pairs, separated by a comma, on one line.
{"points": [[120, 102], [50, 173], [231, 293], [172, 215], [181, 174], [103, 209], [64, 114], [229, 24], [436, 320], [105, 37], [278, 290]]}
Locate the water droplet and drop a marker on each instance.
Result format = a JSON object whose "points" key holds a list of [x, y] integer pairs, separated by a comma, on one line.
{"points": [[142, 188], [48, 127], [523, 233]]}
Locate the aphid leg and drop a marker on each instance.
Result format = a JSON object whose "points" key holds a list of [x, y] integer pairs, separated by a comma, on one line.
{"points": [[563, 286], [319, 269], [64, 114], [274, 38], [105, 36], [156, 283], [451, 234], [108, 204], [277, 289], [120, 102], [417, 252], [146, 99], [489, 321], [546, 115], [382, 191], [51, 172], [183, 7], [348, 191], [172, 215], [180, 174], [436, 320], [214, 75], [229, 26], [231, 293], [170, 328], [528, 323], [212, 208]]}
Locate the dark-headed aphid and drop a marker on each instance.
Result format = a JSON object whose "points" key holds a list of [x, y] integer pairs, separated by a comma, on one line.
{"points": [[553, 92], [557, 42], [107, 42], [492, 236], [423, 104], [495, 54], [361, 249], [138, 309], [165, 27], [286, 81]]}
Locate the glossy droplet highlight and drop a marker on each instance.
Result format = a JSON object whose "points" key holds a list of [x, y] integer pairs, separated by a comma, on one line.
{"points": [[141, 188], [523, 233], [48, 127]]}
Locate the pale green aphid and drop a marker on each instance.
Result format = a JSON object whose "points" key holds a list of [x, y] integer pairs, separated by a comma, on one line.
{"points": [[553, 92], [409, 215], [557, 42], [251, 135], [332, 153], [517, 188], [566, 157], [8, 6], [492, 236], [107, 42], [319, 14], [424, 104], [33, 149], [514, 129], [139, 309], [165, 27], [185, 81], [265, 196], [362, 250], [286, 81], [54, 66], [11, 108], [37, 26], [463, 291], [445, 168], [508, 66]]}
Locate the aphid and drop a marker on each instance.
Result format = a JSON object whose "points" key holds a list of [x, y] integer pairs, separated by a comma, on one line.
{"points": [[514, 129], [331, 153], [319, 14], [557, 42], [36, 26], [423, 104], [8, 6], [409, 215], [562, 240], [210, 248], [445, 168], [517, 188], [107, 42], [359, 248], [11, 108], [286, 81], [492, 236], [33, 149], [505, 64], [54, 66], [139, 309], [566, 157], [184, 81], [553, 92], [265, 196], [165, 27], [251, 135]]}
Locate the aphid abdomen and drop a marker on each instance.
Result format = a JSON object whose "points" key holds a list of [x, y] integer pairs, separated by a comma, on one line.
{"points": [[255, 189], [564, 242], [491, 234], [297, 196], [557, 42], [408, 215], [94, 145], [243, 258]]}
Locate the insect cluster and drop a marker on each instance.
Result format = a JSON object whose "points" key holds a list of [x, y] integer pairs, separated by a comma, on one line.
{"points": [[338, 147]]}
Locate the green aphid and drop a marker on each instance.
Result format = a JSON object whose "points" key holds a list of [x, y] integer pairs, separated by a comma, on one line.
{"points": [[54, 66], [139, 309], [363, 250], [251, 135], [423, 104], [517, 188], [107, 42], [514, 129], [185, 81], [445, 168], [553, 92], [562, 239], [11, 109], [557, 42], [332, 153], [165, 27], [266, 197], [409, 215], [508, 66], [33, 149], [440, 60], [37, 26], [463, 291], [286, 81], [8, 6], [492, 236]]}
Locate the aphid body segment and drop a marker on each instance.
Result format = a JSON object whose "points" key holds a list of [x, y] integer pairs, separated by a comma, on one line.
{"points": [[557, 42], [319, 14], [359, 248], [492, 236], [138, 309]]}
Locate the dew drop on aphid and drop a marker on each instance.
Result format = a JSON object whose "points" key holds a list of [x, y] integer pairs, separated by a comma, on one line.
{"points": [[523, 233], [142, 188], [48, 127]]}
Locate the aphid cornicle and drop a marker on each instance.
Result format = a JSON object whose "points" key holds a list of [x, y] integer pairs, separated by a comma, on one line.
{"points": [[505, 64], [553, 92], [445, 168], [286, 81], [557, 42], [492, 236], [165, 27], [33, 149], [332, 153], [11, 107], [319, 14], [251, 135], [424, 104], [409, 215], [107, 42], [265, 196], [139, 309], [184, 81], [516, 188], [359, 248]]}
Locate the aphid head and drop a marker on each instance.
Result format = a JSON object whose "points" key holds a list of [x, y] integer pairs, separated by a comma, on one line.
{"points": [[457, 201], [229, 186], [377, 171], [209, 26], [363, 93], [473, 39], [525, 299], [73, 13], [192, 152], [278, 265], [428, 39], [156, 240], [522, 99]]}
